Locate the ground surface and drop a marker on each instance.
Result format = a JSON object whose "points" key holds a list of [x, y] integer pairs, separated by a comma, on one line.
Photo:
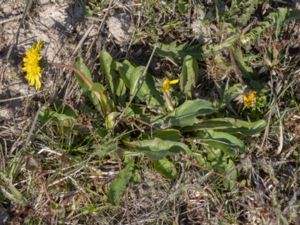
{"points": [[43, 180]]}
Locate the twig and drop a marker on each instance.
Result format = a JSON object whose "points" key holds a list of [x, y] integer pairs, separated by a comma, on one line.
{"points": [[266, 130], [280, 147], [20, 97], [168, 101], [72, 68], [248, 27], [10, 19], [82, 40], [32, 126]]}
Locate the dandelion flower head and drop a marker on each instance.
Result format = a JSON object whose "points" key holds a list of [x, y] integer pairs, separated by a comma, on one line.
{"points": [[249, 99], [32, 67], [167, 84]]}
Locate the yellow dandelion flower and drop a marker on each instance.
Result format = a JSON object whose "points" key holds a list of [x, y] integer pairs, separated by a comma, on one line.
{"points": [[166, 84], [32, 67], [249, 99]]}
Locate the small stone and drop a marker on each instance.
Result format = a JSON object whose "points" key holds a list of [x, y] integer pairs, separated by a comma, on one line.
{"points": [[44, 2], [7, 9], [120, 28], [5, 114], [20, 89]]}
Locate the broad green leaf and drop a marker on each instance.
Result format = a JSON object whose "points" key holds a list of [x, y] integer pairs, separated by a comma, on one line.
{"points": [[108, 69], [60, 118], [63, 108], [134, 78], [97, 93], [110, 120], [176, 53], [189, 75], [293, 14], [126, 69], [230, 125], [121, 91], [168, 134], [165, 168], [63, 115], [171, 51], [156, 148], [150, 94], [100, 99], [79, 64], [186, 114], [228, 143], [119, 184], [145, 87]]}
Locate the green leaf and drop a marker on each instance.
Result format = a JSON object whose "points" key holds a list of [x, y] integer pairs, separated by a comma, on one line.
{"points": [[165, 168], [171, 51], [273, 20], [79, 64], [100, 99], [279, 20], [105, 148], [119, 184], [61, 119], [134, 78], [146, 90], [182, 7], [9, 191], [186, 114], [246, 70], [168, 134], [221, 140], [121, 91], [231, 174], [293, 14], [210, 50], [176, 53], [63, 108], [97, 93], [240, 12], [87, 11], [108, 68], [189, 75], [230, 125], [111, 119], [156, 148]]}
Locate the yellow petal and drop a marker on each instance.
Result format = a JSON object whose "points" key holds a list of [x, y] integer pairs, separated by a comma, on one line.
{"points": [[174, 81], [166, 85]]}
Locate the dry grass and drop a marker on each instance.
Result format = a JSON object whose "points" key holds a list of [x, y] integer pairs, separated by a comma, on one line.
{"points": [[52, 176]]}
